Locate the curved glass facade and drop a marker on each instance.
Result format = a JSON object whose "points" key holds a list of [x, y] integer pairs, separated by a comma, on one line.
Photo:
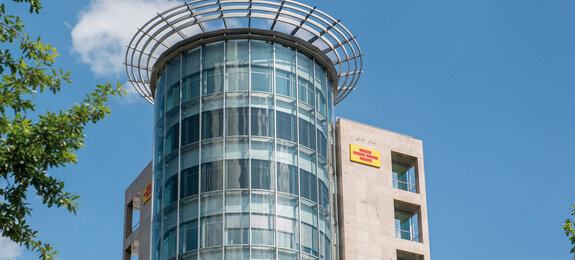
{"points": [[242, 160]]}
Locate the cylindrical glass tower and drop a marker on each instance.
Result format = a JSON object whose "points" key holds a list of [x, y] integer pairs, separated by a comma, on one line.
{"points": [[244, 135], [242, 154]]}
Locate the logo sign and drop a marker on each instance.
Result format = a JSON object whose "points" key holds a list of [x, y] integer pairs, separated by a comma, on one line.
{"points": [[364, 155], [147, 193]]}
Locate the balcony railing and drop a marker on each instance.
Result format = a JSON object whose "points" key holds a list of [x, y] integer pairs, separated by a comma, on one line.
{"points": [[407, 235], [411, 187]]}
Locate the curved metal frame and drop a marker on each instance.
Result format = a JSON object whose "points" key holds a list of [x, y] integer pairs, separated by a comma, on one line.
{"points": [[168, 28]]}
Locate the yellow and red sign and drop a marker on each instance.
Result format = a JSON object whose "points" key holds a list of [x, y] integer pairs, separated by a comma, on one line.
{"points": [[364, 155], [147, 193]]}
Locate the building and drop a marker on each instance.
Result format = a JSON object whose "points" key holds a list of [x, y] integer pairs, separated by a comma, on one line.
{"points": [[246, 146]]}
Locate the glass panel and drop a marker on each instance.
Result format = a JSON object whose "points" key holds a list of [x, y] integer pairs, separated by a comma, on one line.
{"points": [[237, 202], [190, 185], [237, 121], [406, 225], [211, 254], [238, 175], [169, 245], [212, 173], [189, 236], [189, 210], [169, 218], [323, 183], [170, 190], [306, 126], [308, 184], [156, 238], [262, 79], [237, 100], [262, 229], [307, 160], [286, 120], [262, 174], [310, 242], [191, 75], [212, 124], [288, 234], [213, 69], [158, 176], [212, 116], [237, 148], [287, 255], [160, 97], [262, 122], [172, 136], [263, 202], [287, 225], [173, 83], [288, 206], [285, 71], [262, 169], [193, 255], [237, 229], [237, 52], [237, 65], [190, 122], [305, 79], [320, 86], [212, 151], [262, 64], [324, 228], [211, 204], [403, 176], [287, 178], [263, 254], [237, 253], [322, 145]]}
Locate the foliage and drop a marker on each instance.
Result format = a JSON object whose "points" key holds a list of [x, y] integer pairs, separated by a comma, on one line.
{"points": [[30, 146], [569, 228]]}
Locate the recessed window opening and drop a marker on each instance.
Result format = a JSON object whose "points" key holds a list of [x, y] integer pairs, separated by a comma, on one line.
{"points": [[402, 255], [407, 221], [404, 170]]}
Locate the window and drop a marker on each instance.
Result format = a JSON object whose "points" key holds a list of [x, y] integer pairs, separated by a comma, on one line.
{"points": [[401, 255], [212, 176], [237, 228], [212, 123], [262, 122], [286, 126], [262, 63], [190, 129], [407, 221], [404, 172], [237, 121], [237, 174], [237, 55], [308, 184], [191, 75], [189, 185], [213, 69], [189, 236], [287, 178]]}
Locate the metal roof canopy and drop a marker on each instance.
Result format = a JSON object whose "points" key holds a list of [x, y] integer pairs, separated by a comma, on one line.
{"points": [[170, 27]]}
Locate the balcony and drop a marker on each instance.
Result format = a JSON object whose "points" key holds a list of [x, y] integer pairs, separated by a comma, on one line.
{"points": [[404, 172]]}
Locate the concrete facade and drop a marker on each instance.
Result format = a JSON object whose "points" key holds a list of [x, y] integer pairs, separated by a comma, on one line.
{"points": [[368, 202], [137, 235]]}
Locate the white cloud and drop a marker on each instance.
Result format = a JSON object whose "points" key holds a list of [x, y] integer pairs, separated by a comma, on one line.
{"points": [[9, 249], [105, 28]]}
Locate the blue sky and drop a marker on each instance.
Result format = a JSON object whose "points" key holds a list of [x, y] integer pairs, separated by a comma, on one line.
{"points": [[489, 86]]}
